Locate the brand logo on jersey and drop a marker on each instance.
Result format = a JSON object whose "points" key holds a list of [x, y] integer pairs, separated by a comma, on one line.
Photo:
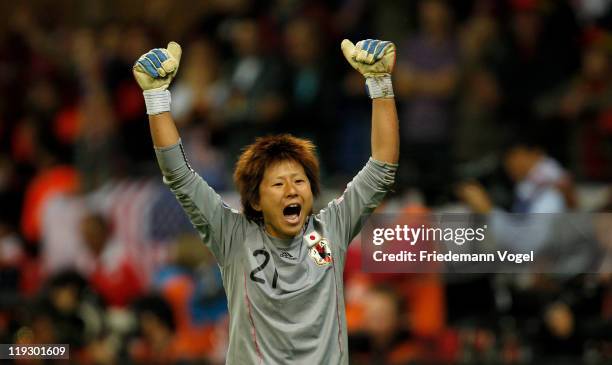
{"points": [[320, 252], [287, 255]]}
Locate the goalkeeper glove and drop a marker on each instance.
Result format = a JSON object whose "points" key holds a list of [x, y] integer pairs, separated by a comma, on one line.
{"points": [[374, 59], [154, 72]]}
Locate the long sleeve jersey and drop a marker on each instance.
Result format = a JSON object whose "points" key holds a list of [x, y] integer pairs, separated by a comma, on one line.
{"points": [[285, 297]]}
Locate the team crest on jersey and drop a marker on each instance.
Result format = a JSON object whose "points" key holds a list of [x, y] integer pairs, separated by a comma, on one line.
{"points": [[319, 249]]}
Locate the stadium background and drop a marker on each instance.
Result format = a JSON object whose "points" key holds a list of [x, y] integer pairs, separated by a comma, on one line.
{"points": [[95, 252]]}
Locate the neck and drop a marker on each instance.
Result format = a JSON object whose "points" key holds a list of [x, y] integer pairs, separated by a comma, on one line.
{"points": [[271, 232]]}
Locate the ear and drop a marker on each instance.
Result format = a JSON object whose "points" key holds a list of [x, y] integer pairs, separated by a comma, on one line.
{"points": [[255, 205]]}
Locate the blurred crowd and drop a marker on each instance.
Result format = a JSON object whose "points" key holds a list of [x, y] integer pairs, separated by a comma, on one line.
{"points": [[504, 106]]}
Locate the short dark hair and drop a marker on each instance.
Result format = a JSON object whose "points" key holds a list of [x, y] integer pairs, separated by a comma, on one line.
{"points": [[529, 138], [266, 151], [158, 306]]}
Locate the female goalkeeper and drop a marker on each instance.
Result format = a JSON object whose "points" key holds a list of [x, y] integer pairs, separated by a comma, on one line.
{"points": [[281, 263]]}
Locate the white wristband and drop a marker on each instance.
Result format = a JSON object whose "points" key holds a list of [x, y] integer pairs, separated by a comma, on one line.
{"points": [[379, 87], [157, 101]]}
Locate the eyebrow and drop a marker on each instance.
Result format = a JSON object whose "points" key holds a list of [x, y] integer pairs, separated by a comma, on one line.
{"points": [[289, 175]]}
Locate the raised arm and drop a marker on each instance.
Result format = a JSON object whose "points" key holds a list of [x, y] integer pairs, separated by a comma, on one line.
{"points": [[218, 225], [163, 130], [375, 59], [385, 130], [345, 216], [154, 72]]}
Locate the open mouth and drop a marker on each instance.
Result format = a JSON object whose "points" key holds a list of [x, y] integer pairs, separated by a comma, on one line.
{"points": [[292, 213]]}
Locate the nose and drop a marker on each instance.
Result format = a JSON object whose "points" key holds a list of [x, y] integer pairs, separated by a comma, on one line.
{"points": [[290, 189]]}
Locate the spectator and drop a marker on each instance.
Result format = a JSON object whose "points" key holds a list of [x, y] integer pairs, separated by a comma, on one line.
{"points": [[70, 311], [96, 136], [200, 91], [587, 106], [383, 340], [310, 87], [478, 110], [198, 99], [112, 273], [191, 284], [540, 60], [255, 80], [541, 184], [426, 77], [156, 343]]}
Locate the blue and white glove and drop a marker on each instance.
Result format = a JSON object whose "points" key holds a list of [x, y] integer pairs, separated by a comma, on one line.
{"points": [[154, 72], [375, 60]]}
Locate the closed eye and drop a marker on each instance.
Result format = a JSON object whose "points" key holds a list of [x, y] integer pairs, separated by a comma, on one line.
{"points": [[277, 184]]}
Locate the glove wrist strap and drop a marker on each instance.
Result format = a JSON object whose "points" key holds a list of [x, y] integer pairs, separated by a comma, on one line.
{"points": [[379, 87], [157, 101]]}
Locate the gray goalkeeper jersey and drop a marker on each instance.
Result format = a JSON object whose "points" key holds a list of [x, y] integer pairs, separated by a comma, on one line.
{"points": [[285, 297]]}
